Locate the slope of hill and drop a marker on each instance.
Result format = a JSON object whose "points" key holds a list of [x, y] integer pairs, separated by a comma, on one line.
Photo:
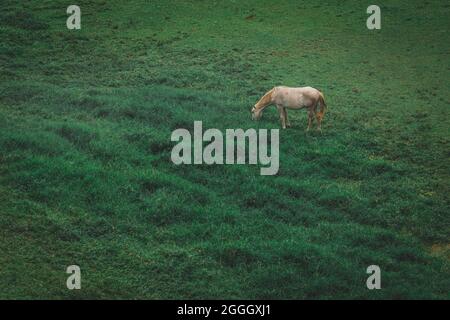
{"points": [[85, 171]]}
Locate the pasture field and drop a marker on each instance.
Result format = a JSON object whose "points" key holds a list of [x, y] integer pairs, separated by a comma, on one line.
{"points": [[86, 178]]}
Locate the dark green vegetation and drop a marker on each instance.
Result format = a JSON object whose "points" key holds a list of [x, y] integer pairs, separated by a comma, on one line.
{"points": [[85, 171]]}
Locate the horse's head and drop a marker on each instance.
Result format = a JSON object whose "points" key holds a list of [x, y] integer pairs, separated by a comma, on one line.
{"points": [[256, 113], [258, 108]]}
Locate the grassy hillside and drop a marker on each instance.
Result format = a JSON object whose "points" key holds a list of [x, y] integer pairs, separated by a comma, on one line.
{"points": [[85, 171]]}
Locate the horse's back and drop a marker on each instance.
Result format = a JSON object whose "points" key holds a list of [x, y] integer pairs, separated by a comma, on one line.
{"points": [[303, 90], [296, 96]]}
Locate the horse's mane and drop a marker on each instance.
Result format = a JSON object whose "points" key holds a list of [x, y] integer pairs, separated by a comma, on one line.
{"points": [[265, 100]]}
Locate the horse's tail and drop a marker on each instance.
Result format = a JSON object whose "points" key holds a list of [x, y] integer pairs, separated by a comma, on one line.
{"points": [[322, 105]]}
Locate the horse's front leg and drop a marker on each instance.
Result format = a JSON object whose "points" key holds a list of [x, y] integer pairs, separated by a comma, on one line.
{"points": [[288, 123], [282, 116]]}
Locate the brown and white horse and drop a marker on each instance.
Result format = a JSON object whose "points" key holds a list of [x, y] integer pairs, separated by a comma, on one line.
{"points": [[292, 98]]}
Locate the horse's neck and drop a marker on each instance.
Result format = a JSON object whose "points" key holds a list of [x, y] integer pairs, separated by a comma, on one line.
{"points": [[262, 105], [265, 100]]}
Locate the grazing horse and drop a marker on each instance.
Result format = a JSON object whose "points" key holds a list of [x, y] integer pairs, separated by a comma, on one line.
{"points": [[292, 98]]}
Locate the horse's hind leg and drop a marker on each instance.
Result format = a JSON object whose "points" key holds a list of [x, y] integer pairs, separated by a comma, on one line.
{"points": [[319, 116], [310, 118]]}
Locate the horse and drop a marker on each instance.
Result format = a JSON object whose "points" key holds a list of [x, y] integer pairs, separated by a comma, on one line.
{"points": [[292, 98]]}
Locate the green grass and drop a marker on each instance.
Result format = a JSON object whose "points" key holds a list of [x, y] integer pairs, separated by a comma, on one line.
{"points": [[85, 171]]}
